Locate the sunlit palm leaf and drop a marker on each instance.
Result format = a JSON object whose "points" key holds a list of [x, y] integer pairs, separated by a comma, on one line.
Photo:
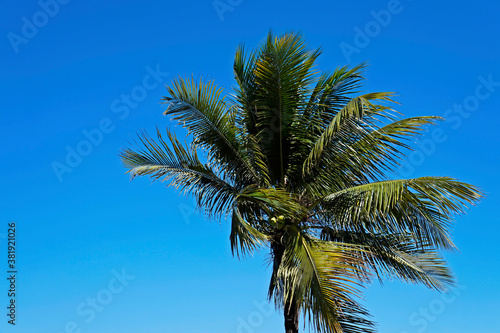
{"points": [[323, 277], [423, 206], [351, 116], [398, 257], [199, 107], [244, 237], [180, 168]]}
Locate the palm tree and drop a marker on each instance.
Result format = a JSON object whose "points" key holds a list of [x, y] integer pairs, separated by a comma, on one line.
{"points": [[302, 163]]}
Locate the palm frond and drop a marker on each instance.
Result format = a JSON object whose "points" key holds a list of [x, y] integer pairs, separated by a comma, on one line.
{"points": [[272, 202], [245, 237], [397, 256], [374, 155], [283, 71], [180, 168], [323, 277], [330, 94], [421, 206], [199, 107], [244, 73], [355, 114]]}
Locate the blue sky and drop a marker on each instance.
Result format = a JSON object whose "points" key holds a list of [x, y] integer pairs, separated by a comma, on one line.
{"points": [[98, 253]]}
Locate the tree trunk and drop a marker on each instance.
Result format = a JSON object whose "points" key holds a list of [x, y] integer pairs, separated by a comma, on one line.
{"points": [[291, 312], [291, 317]]}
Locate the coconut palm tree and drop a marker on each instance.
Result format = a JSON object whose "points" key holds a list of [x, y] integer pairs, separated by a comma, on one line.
{"points": [[303, 164]]}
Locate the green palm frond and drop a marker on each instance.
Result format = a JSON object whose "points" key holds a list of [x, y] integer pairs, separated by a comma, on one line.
{"points": [[270, 201], [180, 168], [422, 206], [372, 156], [324, 278], [255, 155], [355, 108], [353, 118], [244, 92], [397, 256], [199, 107], [330, 94], [283, 71], [245, 238], [381, 149]]}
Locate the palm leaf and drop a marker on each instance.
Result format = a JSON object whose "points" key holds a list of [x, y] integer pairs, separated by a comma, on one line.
{"points": [[353, 114], [283, 71], [199, 107], [422, 206], [323, 278], [245, 238], [180, 168], [397, 256]]}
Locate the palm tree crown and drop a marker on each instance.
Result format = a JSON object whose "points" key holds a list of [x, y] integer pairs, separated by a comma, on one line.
{"points": [[302, 162]]}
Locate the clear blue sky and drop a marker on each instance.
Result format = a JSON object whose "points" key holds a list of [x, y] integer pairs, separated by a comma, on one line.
{"points": [[98, 69]]}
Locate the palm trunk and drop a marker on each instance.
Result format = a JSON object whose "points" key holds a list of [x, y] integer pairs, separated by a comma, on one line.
{"points": [[291, 318], [291, 311]]}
